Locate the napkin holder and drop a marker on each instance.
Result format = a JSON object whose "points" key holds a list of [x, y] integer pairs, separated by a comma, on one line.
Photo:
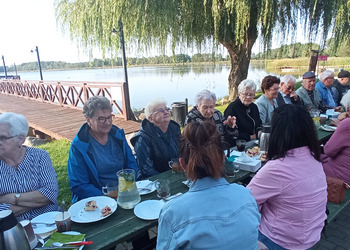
{"points": [[252, 166]]}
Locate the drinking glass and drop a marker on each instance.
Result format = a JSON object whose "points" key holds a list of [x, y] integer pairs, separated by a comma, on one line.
{"points": [[315, 114], [111, 189], [240, 145], [228, 169], [237, 167], [174, 164], [163, 188], [323, 119], [128, 195]]}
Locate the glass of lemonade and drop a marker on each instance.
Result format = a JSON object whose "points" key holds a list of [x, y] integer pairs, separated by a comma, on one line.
{"points": [[315, 114], [128, 195]]}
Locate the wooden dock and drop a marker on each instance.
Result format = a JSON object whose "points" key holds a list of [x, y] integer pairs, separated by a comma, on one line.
{"points": [[53, 120]]}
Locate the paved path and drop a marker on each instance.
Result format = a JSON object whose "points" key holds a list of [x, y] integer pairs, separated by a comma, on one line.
{"points": [[53, 120]]}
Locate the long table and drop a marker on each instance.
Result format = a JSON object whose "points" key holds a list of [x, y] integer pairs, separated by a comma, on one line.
{"points": [[123, 225], [323, 136]]}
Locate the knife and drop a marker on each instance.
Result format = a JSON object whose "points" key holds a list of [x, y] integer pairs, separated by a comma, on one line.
{"points": [[67, 247]]}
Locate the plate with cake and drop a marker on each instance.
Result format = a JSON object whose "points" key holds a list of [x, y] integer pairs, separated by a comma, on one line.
{"points": [[92, 209]]}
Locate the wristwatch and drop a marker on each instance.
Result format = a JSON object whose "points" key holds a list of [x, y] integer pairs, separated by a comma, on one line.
{"points": [[17, 195]]}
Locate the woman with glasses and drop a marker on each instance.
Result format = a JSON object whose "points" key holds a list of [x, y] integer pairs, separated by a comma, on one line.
{"points": [[98, 151], [205, 110], [267, 101], [246, 112], [157, 142], [28, 181]]}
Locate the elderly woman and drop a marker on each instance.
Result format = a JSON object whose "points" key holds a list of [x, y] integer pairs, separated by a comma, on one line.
{"points": [[157, 142], [205, 110], [246, 112], [28, 181], [291, 188], [267, 102], [336, 161], [98, 151], [213, 214]]}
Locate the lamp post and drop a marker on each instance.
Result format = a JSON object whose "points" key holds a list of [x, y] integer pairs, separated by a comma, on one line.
{"points": [[3, 61], [129, 113], [37, 53]]}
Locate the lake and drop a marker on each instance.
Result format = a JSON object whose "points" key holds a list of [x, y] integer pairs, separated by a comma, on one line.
{"points": [[173, 83]]}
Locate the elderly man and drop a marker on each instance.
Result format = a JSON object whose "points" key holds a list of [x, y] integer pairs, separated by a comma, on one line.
{"points": [[341, 86], [324, 88], [286, 94]]}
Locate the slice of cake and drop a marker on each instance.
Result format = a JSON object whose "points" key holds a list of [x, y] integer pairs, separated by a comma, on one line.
{"points": [[106, 211], [90, 206]]}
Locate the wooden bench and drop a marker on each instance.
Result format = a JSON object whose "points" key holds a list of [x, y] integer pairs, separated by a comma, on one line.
{"points": [[335, 209]]}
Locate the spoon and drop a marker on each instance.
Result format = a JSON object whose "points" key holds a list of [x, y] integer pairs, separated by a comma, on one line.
{"points": [[75, 243]]}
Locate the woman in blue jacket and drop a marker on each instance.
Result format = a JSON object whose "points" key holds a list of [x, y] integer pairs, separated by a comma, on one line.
{"points": [[98, 151]]}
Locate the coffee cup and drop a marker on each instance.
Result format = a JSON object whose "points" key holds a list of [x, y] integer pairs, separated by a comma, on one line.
{"points": [[111, 190], [63, 221]]}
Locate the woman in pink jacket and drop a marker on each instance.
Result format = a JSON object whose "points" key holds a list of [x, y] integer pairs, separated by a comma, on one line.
{"points": [[336, 160], [291, 189]]}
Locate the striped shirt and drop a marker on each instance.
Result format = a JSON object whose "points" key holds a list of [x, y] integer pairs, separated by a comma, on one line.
{"points": [[34, 173]]}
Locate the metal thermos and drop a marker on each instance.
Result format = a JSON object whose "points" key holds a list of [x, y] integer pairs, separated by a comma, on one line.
{"points": [[264, 137], [12, 234]]}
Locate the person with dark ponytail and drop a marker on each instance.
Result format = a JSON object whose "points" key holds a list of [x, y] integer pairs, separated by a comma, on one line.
{"points": [[213, 214], [291, 188]]}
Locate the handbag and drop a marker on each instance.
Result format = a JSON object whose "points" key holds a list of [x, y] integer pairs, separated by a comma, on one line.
{"points": [[336, 190]]}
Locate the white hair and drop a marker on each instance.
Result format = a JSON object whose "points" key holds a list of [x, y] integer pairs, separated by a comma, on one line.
{"points": [[18, 123], [287, 78], [149, 109], [325, 74], [246, 84], [204, 95], [345, 101]]}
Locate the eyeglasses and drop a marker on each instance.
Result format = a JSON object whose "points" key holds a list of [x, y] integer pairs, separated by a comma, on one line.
{"points": [[161, 110], [102, 119], [4, 138], [247, 94]]}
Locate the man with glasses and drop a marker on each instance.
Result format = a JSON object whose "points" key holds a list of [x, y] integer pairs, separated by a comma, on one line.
{"points": [[286, 94], [157, 142], [98, 151]]}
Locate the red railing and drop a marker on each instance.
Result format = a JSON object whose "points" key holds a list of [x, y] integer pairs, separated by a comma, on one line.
{"points": [[68, 94]]}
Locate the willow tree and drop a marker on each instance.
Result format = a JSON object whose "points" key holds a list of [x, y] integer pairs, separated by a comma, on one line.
{"points": [[236, 24]]}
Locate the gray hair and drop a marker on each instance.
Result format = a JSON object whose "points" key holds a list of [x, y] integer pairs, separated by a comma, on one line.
{"points": [[345, 101], [287, 78], [246, 84], [149, 109], [204, 95], [18, 123], [94, 103], [325, 74]]}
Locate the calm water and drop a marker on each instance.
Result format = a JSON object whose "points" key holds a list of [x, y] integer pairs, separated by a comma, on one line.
{"points": [[173, 83]]}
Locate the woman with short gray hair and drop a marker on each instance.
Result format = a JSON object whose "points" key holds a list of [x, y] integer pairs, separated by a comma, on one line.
{"points": [[157, 142], [247, 113], [336, 156], [205, 110], [98, 151], [28, 181]]}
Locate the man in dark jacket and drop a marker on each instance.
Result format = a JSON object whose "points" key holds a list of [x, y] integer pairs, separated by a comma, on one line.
{"points": [[157, 142], [286, 94], [341, 85]]}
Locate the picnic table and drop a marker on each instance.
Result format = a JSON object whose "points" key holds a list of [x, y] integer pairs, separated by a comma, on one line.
{"points": [[123, 225]]}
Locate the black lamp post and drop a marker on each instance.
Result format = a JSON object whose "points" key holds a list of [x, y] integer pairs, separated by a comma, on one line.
{"points": [[129, 113], [3, 61], [37, 53]]}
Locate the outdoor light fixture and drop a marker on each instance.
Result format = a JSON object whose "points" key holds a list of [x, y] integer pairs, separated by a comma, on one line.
{"points": [[37, 53]]}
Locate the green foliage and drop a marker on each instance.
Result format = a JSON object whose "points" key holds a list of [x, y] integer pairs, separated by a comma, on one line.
{"points": [[59, 151]]}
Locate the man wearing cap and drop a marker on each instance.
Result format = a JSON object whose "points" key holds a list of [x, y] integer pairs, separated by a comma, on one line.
{"points": [[286, 94], [324, 88], [310, 95], [340, 86]]}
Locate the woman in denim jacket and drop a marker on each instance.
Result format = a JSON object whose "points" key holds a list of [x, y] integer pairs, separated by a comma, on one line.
{"points": [[213, 214]]}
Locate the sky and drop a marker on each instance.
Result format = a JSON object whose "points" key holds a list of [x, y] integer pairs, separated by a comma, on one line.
{"points": [[29, 23]]}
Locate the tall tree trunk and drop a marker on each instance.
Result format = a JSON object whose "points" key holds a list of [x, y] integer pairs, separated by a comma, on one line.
{"points": [[240, 59]]}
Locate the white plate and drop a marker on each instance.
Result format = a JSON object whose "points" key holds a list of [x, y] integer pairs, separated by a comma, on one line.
{"points": [[148, 210], [144, 183], [47, 218], [328, 128], [78, 213]]}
